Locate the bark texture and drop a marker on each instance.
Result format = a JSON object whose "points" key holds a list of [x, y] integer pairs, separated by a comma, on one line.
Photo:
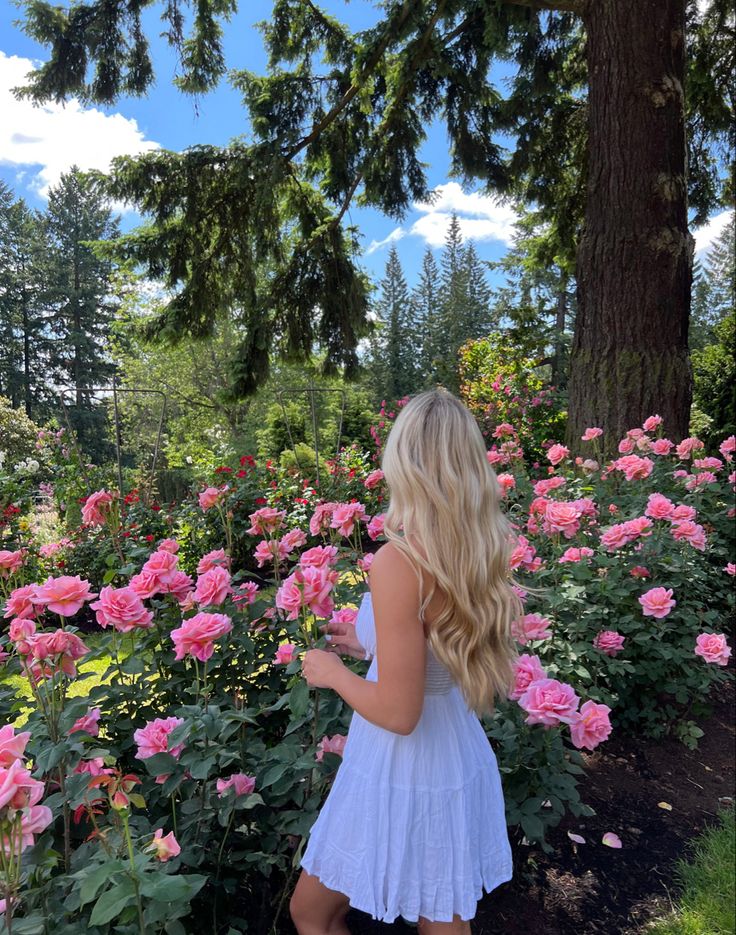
{"points": [[629, 357]]}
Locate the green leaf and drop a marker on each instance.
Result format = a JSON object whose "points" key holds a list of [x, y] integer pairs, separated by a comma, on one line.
{"points": [[93, 880], [112, 902], [160, 763], [533, 827], [272, 774], [299, 698], [168, 888]]}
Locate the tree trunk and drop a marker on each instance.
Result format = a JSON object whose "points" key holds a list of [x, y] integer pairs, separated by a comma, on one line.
{"points": [[629, 356]]}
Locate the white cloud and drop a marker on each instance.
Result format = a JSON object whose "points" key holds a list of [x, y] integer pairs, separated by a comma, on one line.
{"points": [[710, 231], [51, 138], [481, 217]]}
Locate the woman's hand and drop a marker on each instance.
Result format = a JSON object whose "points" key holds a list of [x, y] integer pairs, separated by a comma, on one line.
{"points": [[320, 667], [342, 639]]}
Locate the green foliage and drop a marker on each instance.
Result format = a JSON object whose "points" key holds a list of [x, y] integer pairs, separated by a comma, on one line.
{"points": [[18, 434], [501, 385], [714, 370], [706, 904]]}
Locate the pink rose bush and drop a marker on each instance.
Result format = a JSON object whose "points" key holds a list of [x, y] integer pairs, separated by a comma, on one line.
{"points": [[623, 564]]}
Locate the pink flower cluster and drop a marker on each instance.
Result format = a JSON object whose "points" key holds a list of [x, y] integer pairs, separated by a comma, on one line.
{"points": [[11, 562], [310, 585], [20, 794], [551, 703], [45, 654]]}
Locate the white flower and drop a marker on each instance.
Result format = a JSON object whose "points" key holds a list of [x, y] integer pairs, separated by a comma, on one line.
{"points": [[188, 459]]}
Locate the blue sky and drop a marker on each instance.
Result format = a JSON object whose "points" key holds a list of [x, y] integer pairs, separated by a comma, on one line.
{"points": [[38, 143]]}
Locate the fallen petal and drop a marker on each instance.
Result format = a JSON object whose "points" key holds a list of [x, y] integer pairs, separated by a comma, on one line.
{"points": [[611, 839], [576, 838], [665, 805]]}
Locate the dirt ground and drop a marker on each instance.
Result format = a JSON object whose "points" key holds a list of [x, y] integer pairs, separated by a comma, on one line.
{"points": [[591, 889]]}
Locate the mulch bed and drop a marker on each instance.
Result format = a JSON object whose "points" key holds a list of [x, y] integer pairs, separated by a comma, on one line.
{"points": [[590, 888]]}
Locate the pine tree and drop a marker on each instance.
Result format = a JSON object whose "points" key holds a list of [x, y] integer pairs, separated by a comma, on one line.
{"points": [[22, 338], [394, 361], [479, 318], [425, 305], [79, 297], [714, 288]]}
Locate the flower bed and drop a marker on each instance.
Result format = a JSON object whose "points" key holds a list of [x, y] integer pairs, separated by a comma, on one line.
{"points": [[176, 796]]}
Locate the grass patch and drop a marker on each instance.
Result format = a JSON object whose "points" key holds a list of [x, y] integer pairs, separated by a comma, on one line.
{"points": [[707, 905]]}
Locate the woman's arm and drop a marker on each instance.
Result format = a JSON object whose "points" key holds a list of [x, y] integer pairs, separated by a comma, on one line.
{"points": [[395, 701]]}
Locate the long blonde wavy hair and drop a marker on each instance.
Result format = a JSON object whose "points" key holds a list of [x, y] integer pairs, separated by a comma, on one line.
{"points": [[444, 515]]}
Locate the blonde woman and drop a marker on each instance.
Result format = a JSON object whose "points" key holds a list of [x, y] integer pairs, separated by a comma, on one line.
{"points": [[414, 824]]}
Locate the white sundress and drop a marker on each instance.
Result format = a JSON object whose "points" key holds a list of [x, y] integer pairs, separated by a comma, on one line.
{"points": [[414, 825]]}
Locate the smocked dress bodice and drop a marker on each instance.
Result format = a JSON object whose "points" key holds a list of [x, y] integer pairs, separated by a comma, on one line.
{"points": [[437, 678]]}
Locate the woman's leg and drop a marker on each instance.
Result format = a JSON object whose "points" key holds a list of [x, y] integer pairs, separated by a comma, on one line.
{"points": [[456, 927], [317, 910]]}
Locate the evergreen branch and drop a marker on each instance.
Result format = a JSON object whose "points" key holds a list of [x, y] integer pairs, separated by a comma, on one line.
{"points": [[391, 31], [562, 6]]}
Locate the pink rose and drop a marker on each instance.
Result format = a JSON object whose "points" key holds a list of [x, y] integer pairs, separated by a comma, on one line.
{"points": [[659, 507], [213, 587], [345, 516], [265, 521], [213, 559], [289, 598], [506, 481], [145, 584], [639, 526], [373, 479], [730, 569], [317, 583], [164, 847], [320, 521], [12, 745], [575, 555], [375, 526], [180, 586], [163, 566], [713, 647], [690, 532], [531, 627], [154, 737], [246, 593], [561, 517], [634, 467], [319, 556], [11, 562], [591, 726], [365, 563], [97, 508], [293, 540], [344, 615], [64, 595], [639, 571], [18, 789], [687, 446], [121, 608], [20, 603], [239, 782], [651, 423], [20, 631], [549, 702], [657, 602], [544, 486], [616, 536], [285, 654], [209, 497], [334, 744], [728, 447], [683, 511], [196, 636], [609, 642], [591, 433], [168, 545], [626, 446], [89, 723], [62, 647], [33, 822], [662, 446], [526, 670], [557, 453]]}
